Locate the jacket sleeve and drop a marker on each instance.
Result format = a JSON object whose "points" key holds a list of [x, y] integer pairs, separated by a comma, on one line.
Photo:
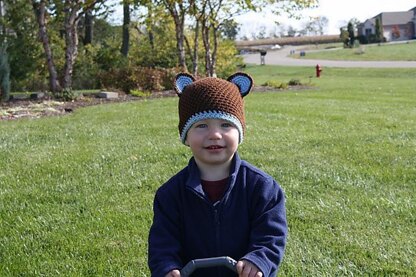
{"points": [[164, 235], [268, 227]]}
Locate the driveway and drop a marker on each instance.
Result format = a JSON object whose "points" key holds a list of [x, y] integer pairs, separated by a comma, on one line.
{"points": [[280, 57]]}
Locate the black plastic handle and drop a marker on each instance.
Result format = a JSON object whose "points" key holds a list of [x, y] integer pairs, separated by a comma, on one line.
{"points": [[208, 262]]}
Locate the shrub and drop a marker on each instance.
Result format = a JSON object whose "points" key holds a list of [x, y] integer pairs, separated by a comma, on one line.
{"points": [[138, 78], [67, 94], [227, 60], [294, 82], [140, 93], [86, 69], [275, 84]]}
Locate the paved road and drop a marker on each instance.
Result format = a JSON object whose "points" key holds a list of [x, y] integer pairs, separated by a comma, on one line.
{"points": [[280, 57]]}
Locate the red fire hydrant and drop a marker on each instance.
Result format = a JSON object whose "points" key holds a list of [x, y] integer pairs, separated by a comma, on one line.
{"points": [[318, 70]]}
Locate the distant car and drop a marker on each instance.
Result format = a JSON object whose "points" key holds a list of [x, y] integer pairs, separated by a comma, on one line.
{"points": [[276, 46]]}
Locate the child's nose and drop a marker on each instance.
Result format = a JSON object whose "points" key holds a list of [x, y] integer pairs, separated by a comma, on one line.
{"points": [[214, 132]]}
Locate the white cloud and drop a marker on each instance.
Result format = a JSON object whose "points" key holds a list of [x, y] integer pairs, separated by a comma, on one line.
{"points": [[338, 12]]}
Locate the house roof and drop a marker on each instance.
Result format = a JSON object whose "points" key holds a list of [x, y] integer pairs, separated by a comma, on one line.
{"points": [[395, 18]]}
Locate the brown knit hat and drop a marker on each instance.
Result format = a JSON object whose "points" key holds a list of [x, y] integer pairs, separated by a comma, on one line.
{"points": [[212, 98]]}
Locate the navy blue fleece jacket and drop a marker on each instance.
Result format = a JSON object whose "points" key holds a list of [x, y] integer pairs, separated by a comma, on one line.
{"points": [[249, 222]]}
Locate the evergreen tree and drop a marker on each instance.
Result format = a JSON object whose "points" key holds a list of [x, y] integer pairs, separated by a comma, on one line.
{"points": [[379, 31], [351, 34], [4, 75]]}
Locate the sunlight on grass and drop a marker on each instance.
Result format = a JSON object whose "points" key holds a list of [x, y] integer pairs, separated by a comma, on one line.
{"points": [[76, 191], [367, 52]]}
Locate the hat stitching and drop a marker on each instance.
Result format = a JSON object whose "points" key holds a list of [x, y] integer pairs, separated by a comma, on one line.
{"points": [[212, 115]]}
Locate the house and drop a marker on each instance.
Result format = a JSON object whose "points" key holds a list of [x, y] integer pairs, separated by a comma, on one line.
{"points": [[396, 25]]}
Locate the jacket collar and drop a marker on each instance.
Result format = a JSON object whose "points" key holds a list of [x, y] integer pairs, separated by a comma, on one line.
{"points": [[194, 179]]}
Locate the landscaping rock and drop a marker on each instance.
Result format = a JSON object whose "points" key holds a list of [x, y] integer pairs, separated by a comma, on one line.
{"points": [[108, 95], [37, 95], [19, 97]]}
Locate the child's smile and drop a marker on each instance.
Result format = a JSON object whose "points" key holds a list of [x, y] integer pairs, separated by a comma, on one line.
{"points": [[213, 141]]}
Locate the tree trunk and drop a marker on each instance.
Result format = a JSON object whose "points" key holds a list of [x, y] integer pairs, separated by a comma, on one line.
{"points": [[126, 25], [3, 26], [207, 47], [179, 20], [71, 40], [213, 67], [149, 26], [88, 22], [198, 11], [195, 51], [181, 50], [40, 11], [180, 38], [4, 74]]}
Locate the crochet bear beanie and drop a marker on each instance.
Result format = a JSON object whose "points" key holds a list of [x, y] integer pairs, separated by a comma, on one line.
{"points": [[212, 98]]}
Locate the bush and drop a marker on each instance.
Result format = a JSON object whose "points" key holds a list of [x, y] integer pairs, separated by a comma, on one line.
{"points": [[227, 60], [294, 82], [140, 93], [68, 94], [275, 84], [138, 78], [86, 69], [370, 39]]}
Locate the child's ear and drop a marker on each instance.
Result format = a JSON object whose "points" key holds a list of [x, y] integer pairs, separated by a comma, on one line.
{"points": [[186, 142], [243, 81], [181, 81]]}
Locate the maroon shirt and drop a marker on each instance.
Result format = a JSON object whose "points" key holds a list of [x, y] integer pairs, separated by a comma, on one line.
{"points": [[214, 189]]}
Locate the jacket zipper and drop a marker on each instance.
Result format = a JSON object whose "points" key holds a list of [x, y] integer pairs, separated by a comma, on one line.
{"points": [[217, 233], [217, 230]]}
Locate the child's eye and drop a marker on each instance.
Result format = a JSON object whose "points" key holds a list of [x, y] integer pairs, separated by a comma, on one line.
{"points": [[226, 125], [201, 125]]}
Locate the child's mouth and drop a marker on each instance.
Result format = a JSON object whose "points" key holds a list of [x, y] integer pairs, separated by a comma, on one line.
{"points": [[214, 147]]}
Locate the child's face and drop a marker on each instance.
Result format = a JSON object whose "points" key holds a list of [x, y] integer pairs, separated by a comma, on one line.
{"points": [[213, 141]]}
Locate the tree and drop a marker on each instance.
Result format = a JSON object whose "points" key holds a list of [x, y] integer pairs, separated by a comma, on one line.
{"points": [[344, 37], [229, 29], [210, 24], [379, 30], [126, 28], [20, 33], [216, 13], [351, 34], [91, 14], [88, 22], [40, 12], [71, 11], [4, 75], [291, 31], [178, 10], [198, 13], [155, 37], [317, 25]]}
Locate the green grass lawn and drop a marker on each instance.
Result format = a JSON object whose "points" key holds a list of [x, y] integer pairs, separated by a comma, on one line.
{"points": [[76, 191], [370, 52]]}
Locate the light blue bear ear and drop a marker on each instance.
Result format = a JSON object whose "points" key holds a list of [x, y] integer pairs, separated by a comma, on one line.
{"points": [[181, 81], [243, 81]]}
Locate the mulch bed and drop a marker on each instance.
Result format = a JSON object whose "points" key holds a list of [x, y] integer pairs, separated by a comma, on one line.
{"points": [[26, 108]]}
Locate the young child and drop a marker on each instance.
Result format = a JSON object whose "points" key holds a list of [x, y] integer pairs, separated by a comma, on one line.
{"points": [[218, 205]]}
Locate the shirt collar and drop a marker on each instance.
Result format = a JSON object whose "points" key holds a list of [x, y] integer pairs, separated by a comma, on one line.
{"points": [[194, 180]]}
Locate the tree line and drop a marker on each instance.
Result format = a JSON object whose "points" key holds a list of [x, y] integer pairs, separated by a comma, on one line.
{"points": [[61, 45]]}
